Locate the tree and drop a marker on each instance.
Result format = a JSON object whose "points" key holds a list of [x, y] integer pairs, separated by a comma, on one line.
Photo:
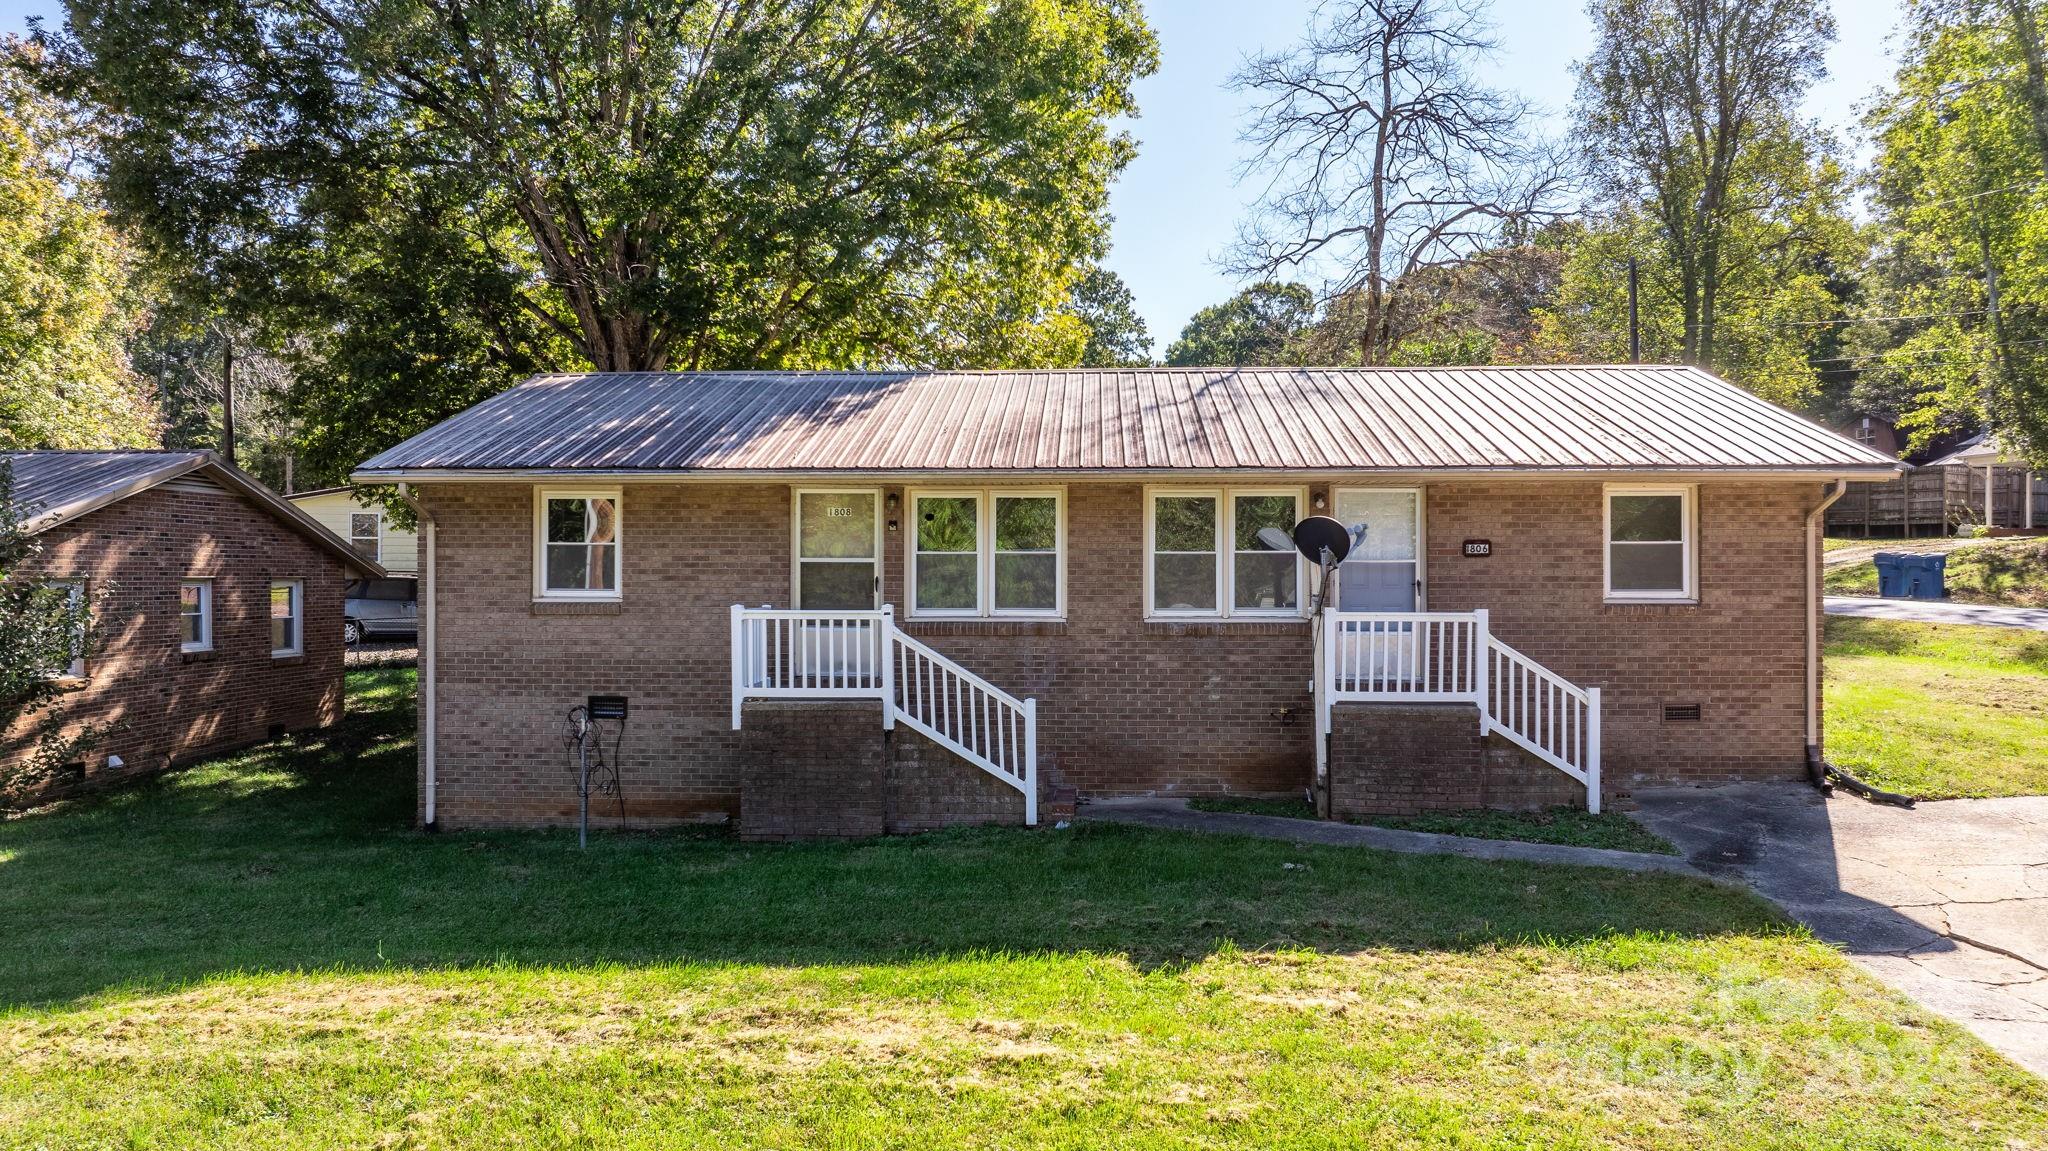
{"points": [[1383, 157], [1116, 332], [1961, 199], [1483, 309], [434, 198], [1685, 114], [44, 626], [67, 300], [1257, 326]]}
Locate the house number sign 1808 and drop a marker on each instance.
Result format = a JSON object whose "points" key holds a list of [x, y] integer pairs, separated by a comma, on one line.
{"points": [[1479, 548]]}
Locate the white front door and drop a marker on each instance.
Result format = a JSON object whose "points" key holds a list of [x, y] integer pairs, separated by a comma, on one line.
{"points": [[838, 551], [1384, 573]]}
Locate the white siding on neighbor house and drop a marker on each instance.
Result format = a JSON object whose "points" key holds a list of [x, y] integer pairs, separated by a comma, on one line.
{"points": [[397, 550]]}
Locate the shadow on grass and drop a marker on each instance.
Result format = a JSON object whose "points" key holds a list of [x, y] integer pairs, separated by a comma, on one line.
{"points": [[300, 855]]}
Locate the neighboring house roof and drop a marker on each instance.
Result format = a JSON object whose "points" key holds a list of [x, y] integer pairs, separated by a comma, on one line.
{"points": [[1133, 422], [56, 487], [1978, 451]]}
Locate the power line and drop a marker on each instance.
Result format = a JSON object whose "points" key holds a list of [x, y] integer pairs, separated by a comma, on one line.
{"points": [[1923, 354], [1877, 319], [1979, 195]]}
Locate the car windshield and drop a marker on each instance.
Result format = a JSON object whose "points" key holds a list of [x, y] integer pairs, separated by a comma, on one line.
{"points": [[385, 589]]}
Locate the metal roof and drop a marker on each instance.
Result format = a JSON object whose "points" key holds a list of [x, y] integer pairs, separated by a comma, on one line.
{"points": [[56, 487], [1139, 421]]}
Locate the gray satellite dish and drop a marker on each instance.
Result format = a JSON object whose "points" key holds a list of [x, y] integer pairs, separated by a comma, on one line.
{"points": [[1275, 540], [1324, 540]]}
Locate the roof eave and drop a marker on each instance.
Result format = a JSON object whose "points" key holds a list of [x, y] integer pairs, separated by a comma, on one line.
{"points": [[1865, 473]]}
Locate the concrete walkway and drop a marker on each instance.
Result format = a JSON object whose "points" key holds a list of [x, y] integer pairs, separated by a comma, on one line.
{"points": [[1948, 901], [1175, 815], [1938, 611]]}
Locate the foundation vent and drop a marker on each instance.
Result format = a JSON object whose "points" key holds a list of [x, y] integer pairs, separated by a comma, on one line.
{"points": [[1681, 713]]}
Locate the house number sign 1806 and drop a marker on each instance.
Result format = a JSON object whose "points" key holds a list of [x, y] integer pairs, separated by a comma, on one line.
{"points": [[1479, 548]]}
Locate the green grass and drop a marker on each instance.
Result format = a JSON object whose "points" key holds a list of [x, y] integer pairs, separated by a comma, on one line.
{"points": [[261, 953], [1567, 825], [2005, 572], [1938, 710]]}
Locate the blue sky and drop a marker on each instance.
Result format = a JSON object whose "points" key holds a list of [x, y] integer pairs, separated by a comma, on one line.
{"points": [[1177, 206]]}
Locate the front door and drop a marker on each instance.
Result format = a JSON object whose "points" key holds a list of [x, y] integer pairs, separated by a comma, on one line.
{"points": [[838, 551], [1384, 573]]}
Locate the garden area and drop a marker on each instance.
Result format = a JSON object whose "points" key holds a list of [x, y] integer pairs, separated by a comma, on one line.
{"points": [[262, 951]]}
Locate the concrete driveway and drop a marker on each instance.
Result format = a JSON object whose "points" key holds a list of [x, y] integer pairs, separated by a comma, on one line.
{"points": [[1937, 611], [1948, 901]]}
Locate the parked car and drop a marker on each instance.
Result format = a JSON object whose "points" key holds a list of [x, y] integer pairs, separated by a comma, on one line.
{"points": [[380, 609]]}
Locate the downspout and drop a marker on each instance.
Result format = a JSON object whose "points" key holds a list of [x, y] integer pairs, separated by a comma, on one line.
{"points": [[427, 628], [1816, 769]]}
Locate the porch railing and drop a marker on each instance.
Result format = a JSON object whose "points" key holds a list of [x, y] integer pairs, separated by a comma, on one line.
{"points": [[779, 654], [1453, 657]]}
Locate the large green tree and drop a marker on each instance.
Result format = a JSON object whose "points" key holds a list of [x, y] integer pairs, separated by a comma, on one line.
{"points": [[423, 199], [67, 295], [1258, 326], [1961, 199], [1686, 110], [1116, 332]]}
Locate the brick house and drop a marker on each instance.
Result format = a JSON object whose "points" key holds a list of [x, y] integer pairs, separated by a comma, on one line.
{"points": [[218, 605], [845, 603]]}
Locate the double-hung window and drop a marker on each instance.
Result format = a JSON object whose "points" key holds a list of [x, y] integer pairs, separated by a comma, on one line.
{"points": [[365, 534], [1205, 557], [987, 552], [73, 592], [195, 615], [1650, 548], [287, 617], [576, 544]]}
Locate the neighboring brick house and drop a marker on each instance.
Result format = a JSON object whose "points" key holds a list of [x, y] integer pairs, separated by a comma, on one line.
{"points": [[218, 606], [825, 583]]}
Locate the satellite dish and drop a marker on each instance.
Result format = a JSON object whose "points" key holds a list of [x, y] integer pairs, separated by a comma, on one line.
{"points": [[1275, 540], [1317, 536]]}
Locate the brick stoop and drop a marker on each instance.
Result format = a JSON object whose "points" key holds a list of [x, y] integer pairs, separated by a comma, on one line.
{"points": [[825, 769], [1407, 759]]}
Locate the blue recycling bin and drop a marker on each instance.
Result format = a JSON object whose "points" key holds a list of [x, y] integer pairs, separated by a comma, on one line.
{"points": [[1891, 574], [1926, 577]]}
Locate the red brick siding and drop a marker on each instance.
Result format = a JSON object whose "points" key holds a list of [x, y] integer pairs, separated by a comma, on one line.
{"points": [[1124, 706], [1739, 653], [1398, 759], [168, 706]]}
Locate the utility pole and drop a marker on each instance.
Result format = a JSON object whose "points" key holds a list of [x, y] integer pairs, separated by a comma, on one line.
{"points": [[227, 401], [1635, 330]]}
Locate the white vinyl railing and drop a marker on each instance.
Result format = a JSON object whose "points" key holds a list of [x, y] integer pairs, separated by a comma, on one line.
{"points": [[862, 655], [1453, 657]]}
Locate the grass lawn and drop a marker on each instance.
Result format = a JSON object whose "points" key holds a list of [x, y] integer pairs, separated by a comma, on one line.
{"points": [[1938, 710], [1568, 825], [261, 953], [2010, 572]]}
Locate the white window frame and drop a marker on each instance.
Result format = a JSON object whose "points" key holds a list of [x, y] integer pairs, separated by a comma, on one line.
{"points": [[205, 640], [298, 617], [541, 496], [796, 539], [75, 598], [985, 552], [1225, 534], [1688, 529], [376, 541]]}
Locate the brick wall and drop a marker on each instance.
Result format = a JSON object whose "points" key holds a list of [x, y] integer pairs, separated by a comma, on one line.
{"points": [[827, 770], [1124, 706], [1739, 652], [1401, 759], [166, 706]]}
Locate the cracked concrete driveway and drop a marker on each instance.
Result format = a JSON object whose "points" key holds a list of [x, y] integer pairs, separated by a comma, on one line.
{"points": [[1948, 902]]}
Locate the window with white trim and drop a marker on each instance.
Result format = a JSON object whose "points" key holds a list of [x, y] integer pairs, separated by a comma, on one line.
{"points": [[576, 543], [1205, 557], [287, 617], [74, 603], [365, 534], [992, 552], [195, 615], [1650, 543]]}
